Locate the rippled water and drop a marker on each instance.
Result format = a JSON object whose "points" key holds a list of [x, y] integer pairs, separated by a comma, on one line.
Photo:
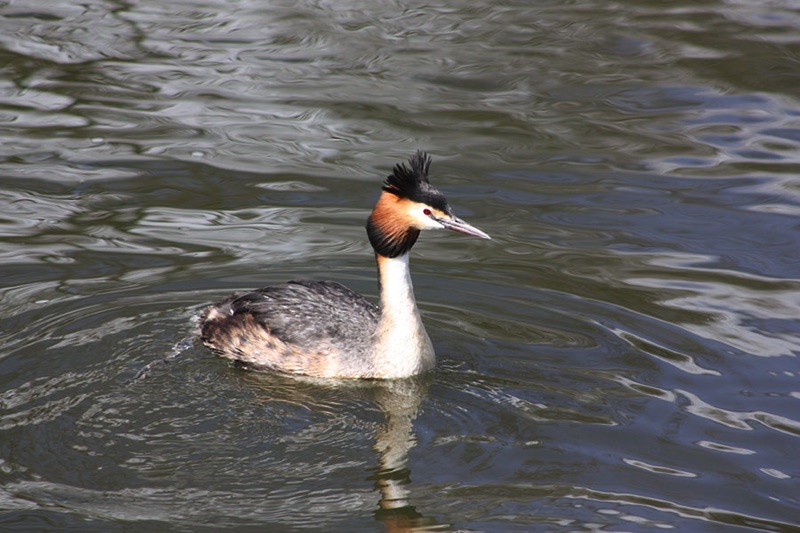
{"points": [[621, 357]]}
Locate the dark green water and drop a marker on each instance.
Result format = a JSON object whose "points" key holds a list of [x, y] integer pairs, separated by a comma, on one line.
{"points": [[623, 356]]}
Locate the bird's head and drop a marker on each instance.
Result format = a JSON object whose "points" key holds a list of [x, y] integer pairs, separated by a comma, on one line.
{"points": [[408, 205]]}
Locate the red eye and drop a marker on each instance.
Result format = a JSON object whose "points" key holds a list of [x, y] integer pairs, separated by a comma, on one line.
{"points": [[426, 212]]}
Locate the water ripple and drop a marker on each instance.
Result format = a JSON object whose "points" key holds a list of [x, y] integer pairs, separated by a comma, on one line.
{"points": [[739, 419]]}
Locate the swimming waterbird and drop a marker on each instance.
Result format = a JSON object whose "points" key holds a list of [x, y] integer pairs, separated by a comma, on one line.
{"points": [[322, 328]]}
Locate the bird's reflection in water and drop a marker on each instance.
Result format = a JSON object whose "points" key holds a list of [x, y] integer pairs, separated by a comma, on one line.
{"points": [[399, 401]]}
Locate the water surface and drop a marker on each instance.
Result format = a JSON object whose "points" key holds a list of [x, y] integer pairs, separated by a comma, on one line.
{"points": [[621, 357]]}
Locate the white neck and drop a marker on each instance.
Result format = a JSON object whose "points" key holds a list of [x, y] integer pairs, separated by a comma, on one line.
{"points": [[402, 347]]}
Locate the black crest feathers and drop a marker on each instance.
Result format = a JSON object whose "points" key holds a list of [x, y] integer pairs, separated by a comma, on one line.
{"points": [[409, 180]]}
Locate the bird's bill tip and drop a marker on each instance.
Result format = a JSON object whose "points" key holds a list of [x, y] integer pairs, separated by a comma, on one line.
{"points": [[456, 224]]}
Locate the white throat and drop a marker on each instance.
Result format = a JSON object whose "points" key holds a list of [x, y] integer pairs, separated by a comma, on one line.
{"points": [[403, 347]]}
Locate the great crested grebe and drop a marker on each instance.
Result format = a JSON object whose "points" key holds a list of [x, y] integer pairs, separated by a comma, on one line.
{"points": [[322, 328]]}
